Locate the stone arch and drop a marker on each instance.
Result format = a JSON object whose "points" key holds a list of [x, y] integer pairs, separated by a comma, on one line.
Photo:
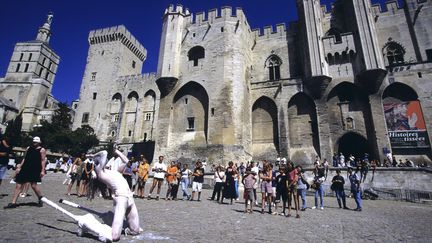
{"points": [[116, 103], [348, 104], [189, 115], [403, 112], [196, 53], [148, 107], [397, 92], [265, 132], [273, 63], [132, 101], [352, 143], [117, 96], [303, 129]]}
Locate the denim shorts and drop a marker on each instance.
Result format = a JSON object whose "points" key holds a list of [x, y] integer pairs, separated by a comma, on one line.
{"points": [[3, 170]]}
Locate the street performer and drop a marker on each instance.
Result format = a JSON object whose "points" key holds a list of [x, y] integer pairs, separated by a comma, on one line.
{"points": [[122, 196]]}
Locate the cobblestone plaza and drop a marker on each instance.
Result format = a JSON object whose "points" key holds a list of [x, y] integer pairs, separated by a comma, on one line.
{"points": [[207, 221]]}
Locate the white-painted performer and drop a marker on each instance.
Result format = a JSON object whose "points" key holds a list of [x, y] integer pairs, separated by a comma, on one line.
{"points": [[124, 204]]}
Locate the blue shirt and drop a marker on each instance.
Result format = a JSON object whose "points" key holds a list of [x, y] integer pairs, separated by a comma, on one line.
{"points": [[354, 180]]}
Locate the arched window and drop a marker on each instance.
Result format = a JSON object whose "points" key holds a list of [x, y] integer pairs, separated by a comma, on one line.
{"points": [[330, 59], [394, 52], [337, 58], [273, 64], [195, 53]]}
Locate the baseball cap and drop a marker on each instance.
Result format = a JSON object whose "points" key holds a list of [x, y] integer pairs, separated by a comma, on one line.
{"points": [[37, 140]]}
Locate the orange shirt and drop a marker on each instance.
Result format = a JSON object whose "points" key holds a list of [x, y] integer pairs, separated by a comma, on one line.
{"points": [[173, 171], [143, 170]]}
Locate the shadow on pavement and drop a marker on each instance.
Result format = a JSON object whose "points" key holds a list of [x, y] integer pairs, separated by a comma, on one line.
{"points": [[90, 236]]}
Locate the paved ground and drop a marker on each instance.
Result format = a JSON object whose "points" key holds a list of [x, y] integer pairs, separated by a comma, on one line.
{"points": [[207, 221]]}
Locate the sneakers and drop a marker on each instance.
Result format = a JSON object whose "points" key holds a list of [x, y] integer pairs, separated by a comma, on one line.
{"points": [[322, 208], [314, 207], [303, 209], [10, 205]]}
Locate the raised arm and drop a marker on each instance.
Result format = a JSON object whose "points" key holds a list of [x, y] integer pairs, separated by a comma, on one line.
{"points": [[100, 159], [123, 158]]}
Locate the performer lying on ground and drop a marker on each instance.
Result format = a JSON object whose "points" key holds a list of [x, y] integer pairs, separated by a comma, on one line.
{"points": [[122, 196]]}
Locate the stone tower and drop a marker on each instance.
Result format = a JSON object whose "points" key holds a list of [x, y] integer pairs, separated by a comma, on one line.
{"points": [[30, 77], [113, 52], [202, 68]]}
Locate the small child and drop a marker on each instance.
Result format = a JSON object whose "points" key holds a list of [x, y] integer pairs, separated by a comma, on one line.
{"points": [[248, 182], [281, 190]]}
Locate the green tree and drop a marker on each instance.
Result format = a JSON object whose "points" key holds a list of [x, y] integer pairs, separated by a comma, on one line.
{"points": [[82, 139], [13, 131], [58, 136], [62, 117]]}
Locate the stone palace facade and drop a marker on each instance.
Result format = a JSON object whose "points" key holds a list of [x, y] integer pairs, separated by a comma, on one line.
{"points": [[351, 80]]}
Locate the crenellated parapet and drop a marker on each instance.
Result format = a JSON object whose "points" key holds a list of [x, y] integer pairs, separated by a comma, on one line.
{"points": [[118, 34], [333, 45], [215, 15], [270, 32], [392, 7], [138, 77]]}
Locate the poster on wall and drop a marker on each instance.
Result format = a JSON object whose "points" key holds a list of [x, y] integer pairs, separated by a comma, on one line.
{"points": [[405, 124]]}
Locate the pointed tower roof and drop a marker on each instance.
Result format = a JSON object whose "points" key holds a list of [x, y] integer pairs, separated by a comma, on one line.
{"points": [[44, 32]]}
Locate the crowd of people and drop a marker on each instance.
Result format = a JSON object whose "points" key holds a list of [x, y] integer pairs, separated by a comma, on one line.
{"points": [[283, 187]]}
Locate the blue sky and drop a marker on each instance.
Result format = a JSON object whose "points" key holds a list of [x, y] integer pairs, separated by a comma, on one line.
{"points": [[20, 19]]}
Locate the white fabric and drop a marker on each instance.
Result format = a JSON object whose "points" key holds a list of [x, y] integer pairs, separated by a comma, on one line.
{"points": [[218, 178], [114, 163], [159, 166], [186, 173], [196, 186]]}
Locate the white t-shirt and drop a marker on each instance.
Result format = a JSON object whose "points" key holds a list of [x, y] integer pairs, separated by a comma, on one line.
{"points": [[186, 173], [159, 166], [218, 178]]}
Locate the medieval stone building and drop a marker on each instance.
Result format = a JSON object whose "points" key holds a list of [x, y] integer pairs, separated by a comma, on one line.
{"points": [[355, 80], [27, 86]]}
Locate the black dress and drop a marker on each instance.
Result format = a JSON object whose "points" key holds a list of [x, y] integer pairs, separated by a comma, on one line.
{"points": [[32, 167], [229, 189]]}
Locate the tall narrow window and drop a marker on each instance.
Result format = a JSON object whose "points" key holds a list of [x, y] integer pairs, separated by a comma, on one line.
{"points": [[40, 72], [85, 117], [133, 64], [30, 56], [18, 67], [21, 56], [191, 123], [93, 76], [130, 133], [273, 64], [26, 67], [43, 62], [94, 96], [49, 66], [196, 53], [47, 75], [395, 53]]}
